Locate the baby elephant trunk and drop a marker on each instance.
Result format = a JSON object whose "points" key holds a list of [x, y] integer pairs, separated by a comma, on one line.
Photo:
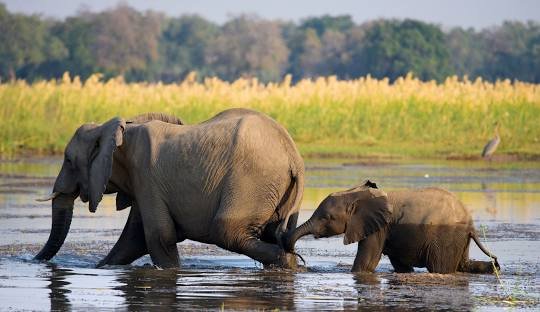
{"points": [[299, 232]]}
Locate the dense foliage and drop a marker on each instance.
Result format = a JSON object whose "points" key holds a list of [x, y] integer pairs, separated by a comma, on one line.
{"points": [[149, 46]]}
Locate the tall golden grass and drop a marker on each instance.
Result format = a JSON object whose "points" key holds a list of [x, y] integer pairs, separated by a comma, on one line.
{"points": [[325, 115]]}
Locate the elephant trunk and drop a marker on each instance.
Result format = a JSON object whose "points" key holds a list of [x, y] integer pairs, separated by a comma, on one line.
{"points": [[298, 233], [62, 213]]}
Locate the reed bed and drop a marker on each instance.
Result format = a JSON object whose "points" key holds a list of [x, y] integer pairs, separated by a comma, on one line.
{"points": [[324, 116]]}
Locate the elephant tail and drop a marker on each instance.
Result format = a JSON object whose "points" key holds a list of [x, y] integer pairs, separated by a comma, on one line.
{"points": [[297, 177], [484, 249]]}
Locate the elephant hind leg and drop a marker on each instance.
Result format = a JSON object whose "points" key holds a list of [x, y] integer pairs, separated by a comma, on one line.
{"points": [[237, 239], [241, 217], [448, 248], [478, 267], [131, 245], [472, 266], [440, 266], [400, 267], [441, 258]]}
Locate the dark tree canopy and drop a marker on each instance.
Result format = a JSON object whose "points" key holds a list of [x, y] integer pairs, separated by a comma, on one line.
{"points": [[249, 46], [149, 46], [125, 40], [25, 42], [394, 48], [183, 46]]}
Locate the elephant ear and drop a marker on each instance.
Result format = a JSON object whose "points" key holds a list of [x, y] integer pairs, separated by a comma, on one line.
{"points": [[369, 213], [110, 136]]}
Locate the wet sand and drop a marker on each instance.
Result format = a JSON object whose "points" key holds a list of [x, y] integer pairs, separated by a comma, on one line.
{"points": [[505, 202]]}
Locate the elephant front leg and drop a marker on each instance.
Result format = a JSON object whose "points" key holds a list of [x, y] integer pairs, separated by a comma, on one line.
{"points": [[162, 248], [160, 235], [131, 245], [369, 252]]}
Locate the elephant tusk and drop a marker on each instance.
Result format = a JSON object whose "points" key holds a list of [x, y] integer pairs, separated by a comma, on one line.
{"points": [[49, 197]]}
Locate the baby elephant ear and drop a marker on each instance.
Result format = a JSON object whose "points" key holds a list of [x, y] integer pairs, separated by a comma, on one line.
{"points": [[368, 214]]}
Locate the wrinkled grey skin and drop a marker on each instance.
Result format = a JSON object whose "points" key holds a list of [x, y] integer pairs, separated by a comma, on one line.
{"points": [[415, 228], [235, 180]]}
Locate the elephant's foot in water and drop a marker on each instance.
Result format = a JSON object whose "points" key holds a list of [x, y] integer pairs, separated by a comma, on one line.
{"points": [[162, 249], [285, 260]]}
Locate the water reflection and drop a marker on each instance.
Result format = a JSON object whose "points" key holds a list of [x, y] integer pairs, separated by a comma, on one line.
{"points": [[148, 288], [430, 290], [490, 200], [259, 289], [59, 288], [237, 290], [366, 279], [370, 291], [382, 292]]}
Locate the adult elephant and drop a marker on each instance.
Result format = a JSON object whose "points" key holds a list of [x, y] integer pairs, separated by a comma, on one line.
{"points": [[426, 227], [235, 180]]}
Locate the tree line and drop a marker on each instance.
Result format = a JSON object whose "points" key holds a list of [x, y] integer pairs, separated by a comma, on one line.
{"points": [[150, 46]]}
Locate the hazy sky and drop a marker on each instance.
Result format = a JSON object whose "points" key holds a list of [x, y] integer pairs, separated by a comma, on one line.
{"points": [[467, 13]]}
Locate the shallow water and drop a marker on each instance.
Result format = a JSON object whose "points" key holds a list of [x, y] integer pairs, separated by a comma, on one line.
{"points": [[504, 200]]}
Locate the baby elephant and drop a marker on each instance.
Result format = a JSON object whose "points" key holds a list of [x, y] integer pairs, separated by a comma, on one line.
{"points": [[415, 228]]}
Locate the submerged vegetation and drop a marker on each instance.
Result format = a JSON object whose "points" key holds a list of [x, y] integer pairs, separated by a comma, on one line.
{"points": [[364, 116]]}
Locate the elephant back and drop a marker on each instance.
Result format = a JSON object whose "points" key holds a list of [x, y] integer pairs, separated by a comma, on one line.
{"points": [[433, 206], [142, 118]]}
